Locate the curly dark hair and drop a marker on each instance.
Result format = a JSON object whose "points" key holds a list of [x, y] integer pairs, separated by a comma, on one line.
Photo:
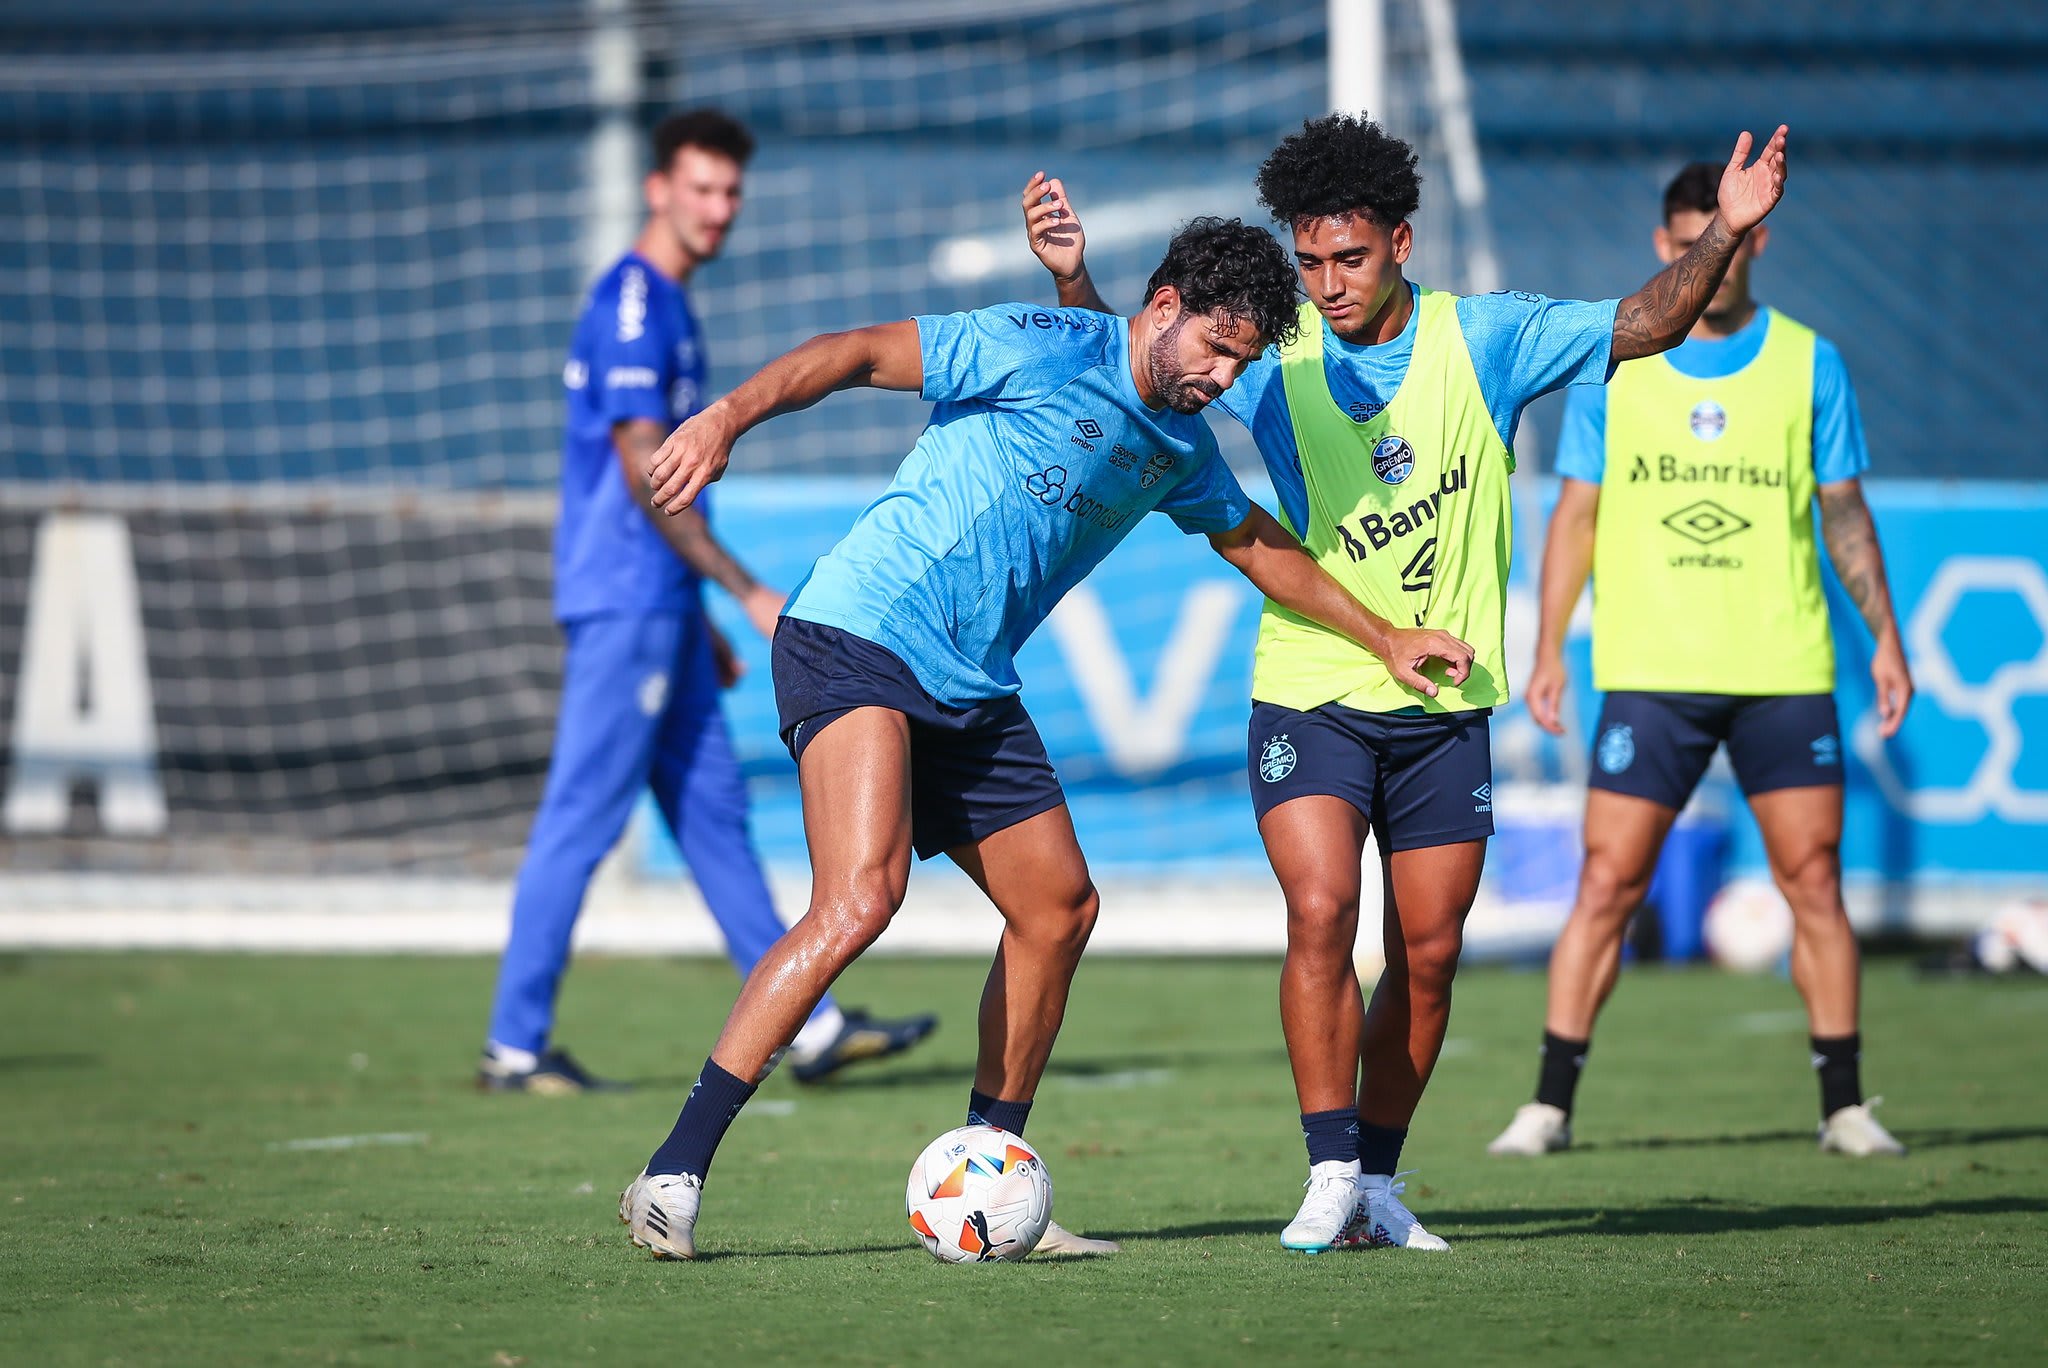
{"points": [[1339, 164], [714, 130], [1228, 266], [1697, 187]]}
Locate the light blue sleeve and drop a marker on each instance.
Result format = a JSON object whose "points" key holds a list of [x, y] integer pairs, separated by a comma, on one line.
{"points": [[1004, 353], [1207, 498], [1524, 345], [1582, 434], [1839, 452], [1259, 401]]}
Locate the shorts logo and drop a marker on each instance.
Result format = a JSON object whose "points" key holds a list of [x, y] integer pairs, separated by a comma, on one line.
{"points": [[1705, 522], [653, 693], [1617, 749], [1277, 760], [1156, 465], [1827, 751], [1709, 420], [1047, 485], [1484, 793], [1393, 460]]}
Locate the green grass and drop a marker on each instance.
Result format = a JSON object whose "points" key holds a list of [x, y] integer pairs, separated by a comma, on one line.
{"points": [[148, 1216]]}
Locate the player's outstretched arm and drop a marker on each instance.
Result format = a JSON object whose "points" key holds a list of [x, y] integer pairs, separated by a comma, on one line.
{"points": [[1265, 553], [689, 533], [885, 356], [1059, 243], [1567, 560], [1851, 536], [1657, 317]]}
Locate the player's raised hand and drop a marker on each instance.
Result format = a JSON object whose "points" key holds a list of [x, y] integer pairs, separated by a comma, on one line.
{"points": [[1545, 694], [1410, 649], [1049, 222], [1750, 192], [694, 455]]}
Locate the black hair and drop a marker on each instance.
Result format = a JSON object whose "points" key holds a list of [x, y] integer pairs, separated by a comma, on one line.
{"points": [[711, 129], [1697, 187], [1228, 266], [1340, 164]]}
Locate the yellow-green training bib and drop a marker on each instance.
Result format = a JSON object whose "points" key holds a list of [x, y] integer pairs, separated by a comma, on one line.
{"points": [[1705, 575], [1409, 512]]}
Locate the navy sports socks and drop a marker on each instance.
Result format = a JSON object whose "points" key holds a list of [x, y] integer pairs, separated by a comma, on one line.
{"points": [[713, 1103], [1330, 1135], [1838, 1060], [983, 1110], [1379, 1147], [1559, 1079]]}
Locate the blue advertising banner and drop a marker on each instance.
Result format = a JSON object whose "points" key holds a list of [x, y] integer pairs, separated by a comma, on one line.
{"points": [[1139, 683]]}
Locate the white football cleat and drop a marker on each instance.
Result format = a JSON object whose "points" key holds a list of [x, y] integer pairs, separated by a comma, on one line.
{"points": [[1389, 1224], [1060, 1240], [1854, 1131], [1538, 1128], [1328, 1210], [660, 1213]]}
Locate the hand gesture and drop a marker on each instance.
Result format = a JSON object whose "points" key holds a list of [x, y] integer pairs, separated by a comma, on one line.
{"points": [[1750, 192], [1894, 686], [764, 608], [1049, 222], [694, 455], [1409, 649], [1545, 694]]}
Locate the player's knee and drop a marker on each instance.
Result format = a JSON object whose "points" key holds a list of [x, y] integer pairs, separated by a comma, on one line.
{"points": [[1321, 919], [1610, 888], [1431, 960], [1070, 926], [1812, 883], [859, 912]]}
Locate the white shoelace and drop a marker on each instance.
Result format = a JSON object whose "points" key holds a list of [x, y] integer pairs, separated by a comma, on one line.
{"points": [[1393, 1190], [1329, 1195]]}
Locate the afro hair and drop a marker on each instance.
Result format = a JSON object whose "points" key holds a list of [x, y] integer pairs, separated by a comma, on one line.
{"points": [[1339, 164]]}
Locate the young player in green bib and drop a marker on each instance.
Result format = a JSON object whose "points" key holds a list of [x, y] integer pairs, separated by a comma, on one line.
{"points": [[1688, 494], [1388, 430]]}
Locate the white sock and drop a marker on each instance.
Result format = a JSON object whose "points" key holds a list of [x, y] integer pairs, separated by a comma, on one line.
{"points": [[515, 1061], [821, 1030]]}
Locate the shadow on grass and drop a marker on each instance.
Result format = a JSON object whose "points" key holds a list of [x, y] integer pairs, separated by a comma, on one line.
{"points": [[1085, 1069], [1713, 1216], [1927, 1138]]}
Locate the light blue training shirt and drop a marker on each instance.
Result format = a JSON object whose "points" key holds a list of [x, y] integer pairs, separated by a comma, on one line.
{"points": [[1038, 459], [1522, 345], [1839, 452]]}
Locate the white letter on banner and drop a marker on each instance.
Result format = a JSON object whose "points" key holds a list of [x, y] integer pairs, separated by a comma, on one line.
{"points": [[82, 706], [1143, 735]]}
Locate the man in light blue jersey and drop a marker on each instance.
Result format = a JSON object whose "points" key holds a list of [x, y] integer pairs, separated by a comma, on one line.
{"points": [[1688, 494], [1052, 432], [645, 665], [1388, 427]]}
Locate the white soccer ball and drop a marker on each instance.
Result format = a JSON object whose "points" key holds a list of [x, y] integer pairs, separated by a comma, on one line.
{"points": [[2018, 934], [977, 1195], [1749, 927]]}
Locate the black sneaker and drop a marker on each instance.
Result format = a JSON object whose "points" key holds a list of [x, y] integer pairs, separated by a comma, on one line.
{"points": [[862, 1037], [555, 1074]]}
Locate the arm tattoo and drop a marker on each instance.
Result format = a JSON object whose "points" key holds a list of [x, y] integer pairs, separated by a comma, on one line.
{"points": [[688, 533], [1851, 537], [1657, 317]]}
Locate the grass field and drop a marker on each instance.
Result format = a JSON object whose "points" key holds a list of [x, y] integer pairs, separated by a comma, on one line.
{"points": [[155, 1208]]}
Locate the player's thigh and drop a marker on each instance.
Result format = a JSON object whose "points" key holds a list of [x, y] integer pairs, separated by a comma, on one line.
{"points": [[616, 678], [1032, 870], [1802, 832], [1314, 782], [1622, 837], [1429, 892], [854, 775], [1656, 746]]}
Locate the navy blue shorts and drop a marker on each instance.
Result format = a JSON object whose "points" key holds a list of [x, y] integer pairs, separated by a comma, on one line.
{"points": [[1657, 745], [1421, 779], [973, 771]]}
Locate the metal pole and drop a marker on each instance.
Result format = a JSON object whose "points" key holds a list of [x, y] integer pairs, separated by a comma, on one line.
{"points": [[616, 88], [1358, 57]]}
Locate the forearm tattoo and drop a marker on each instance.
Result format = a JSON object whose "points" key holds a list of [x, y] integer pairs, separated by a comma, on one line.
{"points": [[1658, 316], [1851, 537]]}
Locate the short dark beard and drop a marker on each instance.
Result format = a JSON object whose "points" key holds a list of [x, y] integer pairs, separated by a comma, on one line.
{"points": [[1162, 361]]}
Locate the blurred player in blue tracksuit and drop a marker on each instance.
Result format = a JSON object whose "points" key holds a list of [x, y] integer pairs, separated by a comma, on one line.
{"points": [[645, 664]]}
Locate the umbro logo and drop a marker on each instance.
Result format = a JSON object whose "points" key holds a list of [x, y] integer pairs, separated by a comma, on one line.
{"points": [[1088, 433], [1484, 794]]}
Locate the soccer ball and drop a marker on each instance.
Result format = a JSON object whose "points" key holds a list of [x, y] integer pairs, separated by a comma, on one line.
{"points": [[2017, 935], [978, 1195], [1749, 927]]}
